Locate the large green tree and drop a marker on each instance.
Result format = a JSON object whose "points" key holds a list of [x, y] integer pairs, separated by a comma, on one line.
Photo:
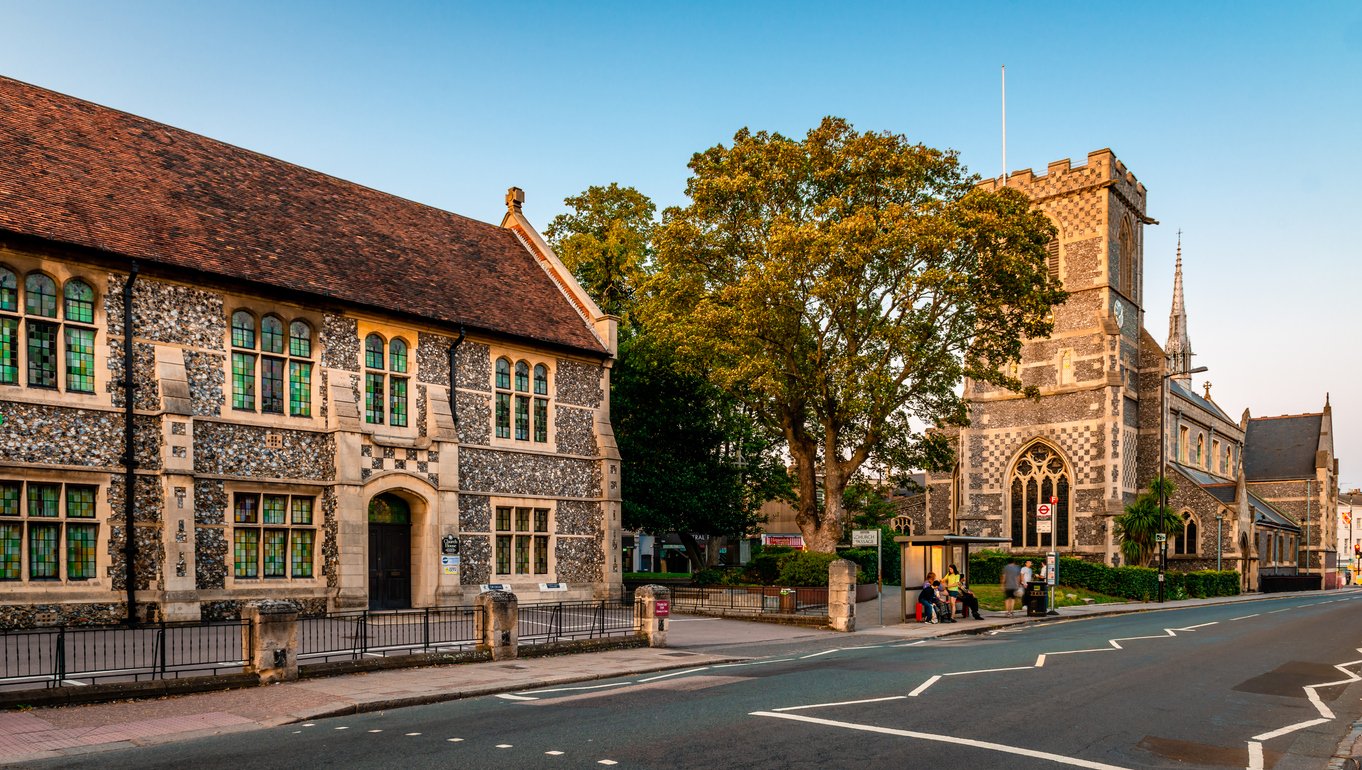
{"points": [[843, 284], [693, 462]]}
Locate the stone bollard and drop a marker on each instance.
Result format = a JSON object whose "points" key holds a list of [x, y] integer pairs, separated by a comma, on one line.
{"points": [[270, 641], [656, 608], [499, 611], [842, 595]]}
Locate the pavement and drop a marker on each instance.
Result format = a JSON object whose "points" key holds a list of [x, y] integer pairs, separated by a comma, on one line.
{"points": [[46, 733]]}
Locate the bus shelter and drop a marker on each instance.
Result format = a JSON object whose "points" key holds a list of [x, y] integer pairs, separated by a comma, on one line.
{"points": [[920, 554]]}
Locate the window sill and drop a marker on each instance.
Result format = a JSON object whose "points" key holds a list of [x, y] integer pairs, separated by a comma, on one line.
{"points": [[401, 442]]}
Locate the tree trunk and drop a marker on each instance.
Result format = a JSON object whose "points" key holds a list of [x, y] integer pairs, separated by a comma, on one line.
{"points": [[693, 551]]}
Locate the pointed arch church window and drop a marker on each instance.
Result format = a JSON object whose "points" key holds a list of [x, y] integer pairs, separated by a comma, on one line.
{"points": [[1038, 475], [1126, 259], [1185, 541]]}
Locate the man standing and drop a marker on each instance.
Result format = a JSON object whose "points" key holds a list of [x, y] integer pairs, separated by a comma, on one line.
{"points": [[1011, 584], [1026, 575]]}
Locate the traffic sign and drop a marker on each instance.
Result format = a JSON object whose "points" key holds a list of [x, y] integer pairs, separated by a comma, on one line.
{"points": [[1043, 511], [1160, 537], [1054, 500], [1045, 526]]}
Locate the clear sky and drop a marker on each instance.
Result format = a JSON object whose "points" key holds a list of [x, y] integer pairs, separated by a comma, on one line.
{"points": [[1242, 118]]}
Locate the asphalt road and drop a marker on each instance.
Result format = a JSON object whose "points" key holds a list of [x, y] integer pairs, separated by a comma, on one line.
{"points": [[1213, 686]]}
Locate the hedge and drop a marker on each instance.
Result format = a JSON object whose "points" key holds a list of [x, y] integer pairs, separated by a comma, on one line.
{"points": [[1128, 582]]}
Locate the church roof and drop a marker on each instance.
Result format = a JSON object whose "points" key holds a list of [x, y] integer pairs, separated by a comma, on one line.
{"points": [[1281, 447], [81, 174], [1264, 511], [1187, 394]]}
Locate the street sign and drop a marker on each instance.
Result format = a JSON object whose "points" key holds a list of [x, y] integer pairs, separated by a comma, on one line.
{"points": [[1043, 511], [1054, 500], [865, 537], [662, 608], [1051, 567], [1045, 526], [1160, 537]]}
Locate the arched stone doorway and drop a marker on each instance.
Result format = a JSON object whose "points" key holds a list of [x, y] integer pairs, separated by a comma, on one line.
{"points": [[389, 552]]}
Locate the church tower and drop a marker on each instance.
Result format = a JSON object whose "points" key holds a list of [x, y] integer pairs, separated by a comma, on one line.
{"points": [[1179, 347], [1075, 445]]}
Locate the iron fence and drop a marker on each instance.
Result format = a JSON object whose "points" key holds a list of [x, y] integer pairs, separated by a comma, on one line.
{"points": [[64, 656], [365, 633], [546, 622], [755, 600]]}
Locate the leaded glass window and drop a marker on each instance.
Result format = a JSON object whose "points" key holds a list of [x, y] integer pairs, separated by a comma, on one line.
{"points": [[11, 551], [43, 552], [80, 502], [300, 339], [1185, 539], [398, 401], [273, 536], [373, 398], [44, 500], [9, 498], [503, 373], [271, 385], [243, 330], [80, 359], [385, 393], [40, 296], [80, 551], [373, 351], [541, 380], [285, 350], [9, 290], [243, 381], [271, 334], [1039, 475], [56, 519], [503, 415], [541, 420], [80, 302], [42, 354], [397, 356], [9, 351], [522, 541], [522, 418], [300, 388], [522, 376], [529, 414]]}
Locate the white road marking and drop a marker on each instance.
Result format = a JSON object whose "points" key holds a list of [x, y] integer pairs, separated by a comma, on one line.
{"points": [[571, 689], [840, 703], [607, 762], [309, 724], [911, 644], [987, 670], [343, 728], [503, 745], [754, 663], [454, 740], [375, 731], [1255, 755], [816, 654], [1245, 617], [509, 696], [924, 686], [1289, 729], [1255, 745], [939, 738], [674, 673], [412, 735], [1274, 612], [554, 753], [1040, 659]]}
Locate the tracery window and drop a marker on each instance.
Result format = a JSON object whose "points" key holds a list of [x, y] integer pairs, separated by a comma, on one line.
{"points": [[526, 398], [43, 342], [273, 536], [1185, 540], [266, 359], [47, 531], [1126, 267], [385, 381], [1039, 475]]}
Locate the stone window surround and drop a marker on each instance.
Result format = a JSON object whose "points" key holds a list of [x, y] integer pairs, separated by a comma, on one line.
{"points": [[61, 273], [1191, 525], [409, 335], [1027, 515], [103, 513], [532, 358], [531, 579], [288, 314], [231, 488]]}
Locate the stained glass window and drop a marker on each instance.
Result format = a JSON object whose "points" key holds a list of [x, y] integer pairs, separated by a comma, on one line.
{"points": [[302, 553], [9, 498], [246, 509], [503, 554], [271, 385], [271, 334], [9, 351], [80, 359], [272, 512], [243, 381], [503, 373], [1038, 476], [300, 339], [541, 379], [246, 553], [299, 389], [397, 356], [276, 553], [44, 500], [373, 398], [398, 399], [243, 330], [80, 551], [522, 555], [80, 302], [541, 420], [521, 550], [42, 354], [9, 290], [373, 351], [541, 555], [80, 502], [42, 551], [503, 519], [302, 510], [40, 296], [522, 376], [11, 551]]}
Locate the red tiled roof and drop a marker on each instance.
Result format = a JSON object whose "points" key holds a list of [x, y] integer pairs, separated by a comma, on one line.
{"points": [[78, 173]]}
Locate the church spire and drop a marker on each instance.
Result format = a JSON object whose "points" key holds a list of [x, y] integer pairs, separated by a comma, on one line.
{"points": [[1179, 347]]}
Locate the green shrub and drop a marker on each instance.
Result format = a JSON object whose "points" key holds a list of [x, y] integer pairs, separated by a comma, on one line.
{"points": [[865, 559], [765, 568], [708, 577], [804, 568], [1140, 583]]}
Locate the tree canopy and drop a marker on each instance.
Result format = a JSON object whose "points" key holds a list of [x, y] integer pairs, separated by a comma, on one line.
{"points": [[838, 286], [605, 240]]}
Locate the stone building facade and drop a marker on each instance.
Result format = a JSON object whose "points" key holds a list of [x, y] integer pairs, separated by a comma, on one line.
{"points": [[1113, 407], [338, 397]]}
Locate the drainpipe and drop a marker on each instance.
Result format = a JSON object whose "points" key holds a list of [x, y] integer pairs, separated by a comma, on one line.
{"points": [[129, 455], [454, 375]]}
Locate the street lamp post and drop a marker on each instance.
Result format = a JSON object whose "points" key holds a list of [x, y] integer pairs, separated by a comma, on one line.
{"points": [[1219, 520], [1163, 469]]}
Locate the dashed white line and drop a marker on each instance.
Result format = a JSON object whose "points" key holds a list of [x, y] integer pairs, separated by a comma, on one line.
{"points": [[911, 644], [412, 735], [939, 738], [1245, 617], [924, 686], [454, 740], [816, 654], [840, 703], [343, 728], [607, 762], [554, 753], [510, 696], [987, 670], [754, 663], [573, 689], [504, 745], [375, 731], [674, 673], [1274, 612]]}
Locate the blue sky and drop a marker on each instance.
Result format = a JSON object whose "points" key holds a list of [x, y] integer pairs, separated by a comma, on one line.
{"points": [[1242, 118]]}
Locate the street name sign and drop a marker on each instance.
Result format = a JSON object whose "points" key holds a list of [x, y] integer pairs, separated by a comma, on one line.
{"points": [[865, 537]]}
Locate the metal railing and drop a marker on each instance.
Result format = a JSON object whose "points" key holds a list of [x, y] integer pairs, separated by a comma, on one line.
{"points": [[366, 633], [547, 622], [81, 655], [755, 600]]}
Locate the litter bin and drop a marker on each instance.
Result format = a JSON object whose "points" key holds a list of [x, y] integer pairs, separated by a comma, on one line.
{"points": [[1037, 599]]}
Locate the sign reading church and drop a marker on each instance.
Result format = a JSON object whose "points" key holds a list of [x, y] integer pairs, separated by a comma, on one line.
{"points": [[282, 385]]}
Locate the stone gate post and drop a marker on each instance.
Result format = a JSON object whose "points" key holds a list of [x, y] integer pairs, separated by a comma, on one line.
{"points": [[653, 604], [842, 595], [497, 620], [270, 641]]}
